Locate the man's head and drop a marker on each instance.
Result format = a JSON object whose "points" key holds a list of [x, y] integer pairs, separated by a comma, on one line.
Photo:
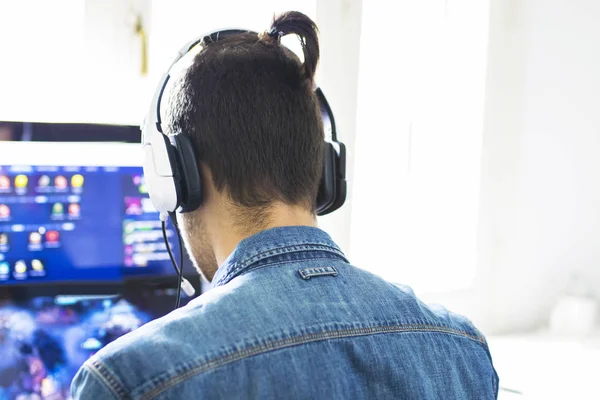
{"points": [[248, 105]]}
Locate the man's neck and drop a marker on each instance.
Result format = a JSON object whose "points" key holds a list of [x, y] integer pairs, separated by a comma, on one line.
{"points": [[226, 234]]}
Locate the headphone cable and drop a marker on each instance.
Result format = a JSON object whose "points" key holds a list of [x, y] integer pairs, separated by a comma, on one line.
{"points": [[179, 271], [182, 281]]}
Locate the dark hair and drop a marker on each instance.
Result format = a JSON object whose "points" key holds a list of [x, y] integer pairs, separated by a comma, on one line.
{"points": [[248, 104]]}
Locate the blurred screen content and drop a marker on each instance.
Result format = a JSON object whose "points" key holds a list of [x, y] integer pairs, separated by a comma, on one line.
{"points": [[44, 340], [78, 224]]}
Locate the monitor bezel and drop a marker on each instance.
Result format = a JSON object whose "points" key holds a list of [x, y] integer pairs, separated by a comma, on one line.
{"points": [[80, 154]]}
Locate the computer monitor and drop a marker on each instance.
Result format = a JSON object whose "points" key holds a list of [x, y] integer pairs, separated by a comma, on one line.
{"points": [[45, 340], [78, 213]]}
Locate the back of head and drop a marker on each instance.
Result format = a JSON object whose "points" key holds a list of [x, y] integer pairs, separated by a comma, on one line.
{"points": [[248, 105]]}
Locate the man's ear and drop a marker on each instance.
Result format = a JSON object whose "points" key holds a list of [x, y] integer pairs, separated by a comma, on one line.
{"points": [[208, 184], [213, 196]]}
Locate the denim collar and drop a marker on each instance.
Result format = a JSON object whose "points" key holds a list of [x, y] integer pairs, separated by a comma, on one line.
{"points": [[270, 243]]}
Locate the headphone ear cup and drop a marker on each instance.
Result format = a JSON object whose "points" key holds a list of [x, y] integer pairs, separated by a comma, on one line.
{"points": [[190, 179], [332, 188], [340, 177], [327, 188]]}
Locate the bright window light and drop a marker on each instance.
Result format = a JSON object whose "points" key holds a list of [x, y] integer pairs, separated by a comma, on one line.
{"points": [[41, 47], [418, 142]]}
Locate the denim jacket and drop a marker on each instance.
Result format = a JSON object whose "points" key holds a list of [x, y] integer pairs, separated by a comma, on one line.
{"points": [[287, 317]]}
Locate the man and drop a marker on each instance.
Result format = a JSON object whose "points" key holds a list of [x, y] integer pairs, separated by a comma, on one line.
{"points": [[286, 316]]}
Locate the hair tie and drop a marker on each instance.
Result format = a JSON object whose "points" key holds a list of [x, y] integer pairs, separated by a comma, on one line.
{"points": [[274, 33]]}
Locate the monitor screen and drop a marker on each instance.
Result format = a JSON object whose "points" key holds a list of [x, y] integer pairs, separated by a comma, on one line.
{"points": [[77, 212], [44, 340]]}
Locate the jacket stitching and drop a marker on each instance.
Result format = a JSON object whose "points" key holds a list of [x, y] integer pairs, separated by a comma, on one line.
{"points": [[289, 249], [252, 268], [298, 340], [277, 251], [98, 369]]}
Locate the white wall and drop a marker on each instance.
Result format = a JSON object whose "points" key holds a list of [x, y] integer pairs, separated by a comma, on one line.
{"points": [[71, 61], [80, 61], [540, 196], [340, 30], [418, 142]]}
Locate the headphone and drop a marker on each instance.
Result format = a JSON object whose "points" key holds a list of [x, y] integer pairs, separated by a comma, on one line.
{"points": [[171, 169]]}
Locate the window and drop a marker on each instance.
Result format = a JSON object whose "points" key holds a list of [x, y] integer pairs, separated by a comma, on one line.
{"points": [[418, 142], [41, 45]]}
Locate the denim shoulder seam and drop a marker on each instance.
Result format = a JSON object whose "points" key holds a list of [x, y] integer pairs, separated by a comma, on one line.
{"points": [[277, 251], [100, 371], [282, 263], [296, 341], [291, 249]]}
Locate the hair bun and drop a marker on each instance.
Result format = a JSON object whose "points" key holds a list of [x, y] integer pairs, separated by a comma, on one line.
{"points": [[296, 23]]}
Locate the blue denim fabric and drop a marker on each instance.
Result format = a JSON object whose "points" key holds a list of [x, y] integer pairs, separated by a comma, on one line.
{"points": [[288, 317]]}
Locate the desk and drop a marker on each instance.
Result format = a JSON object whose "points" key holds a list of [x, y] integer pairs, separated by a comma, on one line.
{"points": [[543, 366]]}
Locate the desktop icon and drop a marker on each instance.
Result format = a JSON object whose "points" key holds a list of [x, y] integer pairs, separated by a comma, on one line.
{"points": [[133, 205], [21, 181], [57, 209], [60, 182], [44, 181], [74, 210], [52, 236], [4, 268], [140, 182], [4, 182], [77, 181], [4, 211], [37, 265], [3, 239], [129, 227], [20, 267], [35, 238]]}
